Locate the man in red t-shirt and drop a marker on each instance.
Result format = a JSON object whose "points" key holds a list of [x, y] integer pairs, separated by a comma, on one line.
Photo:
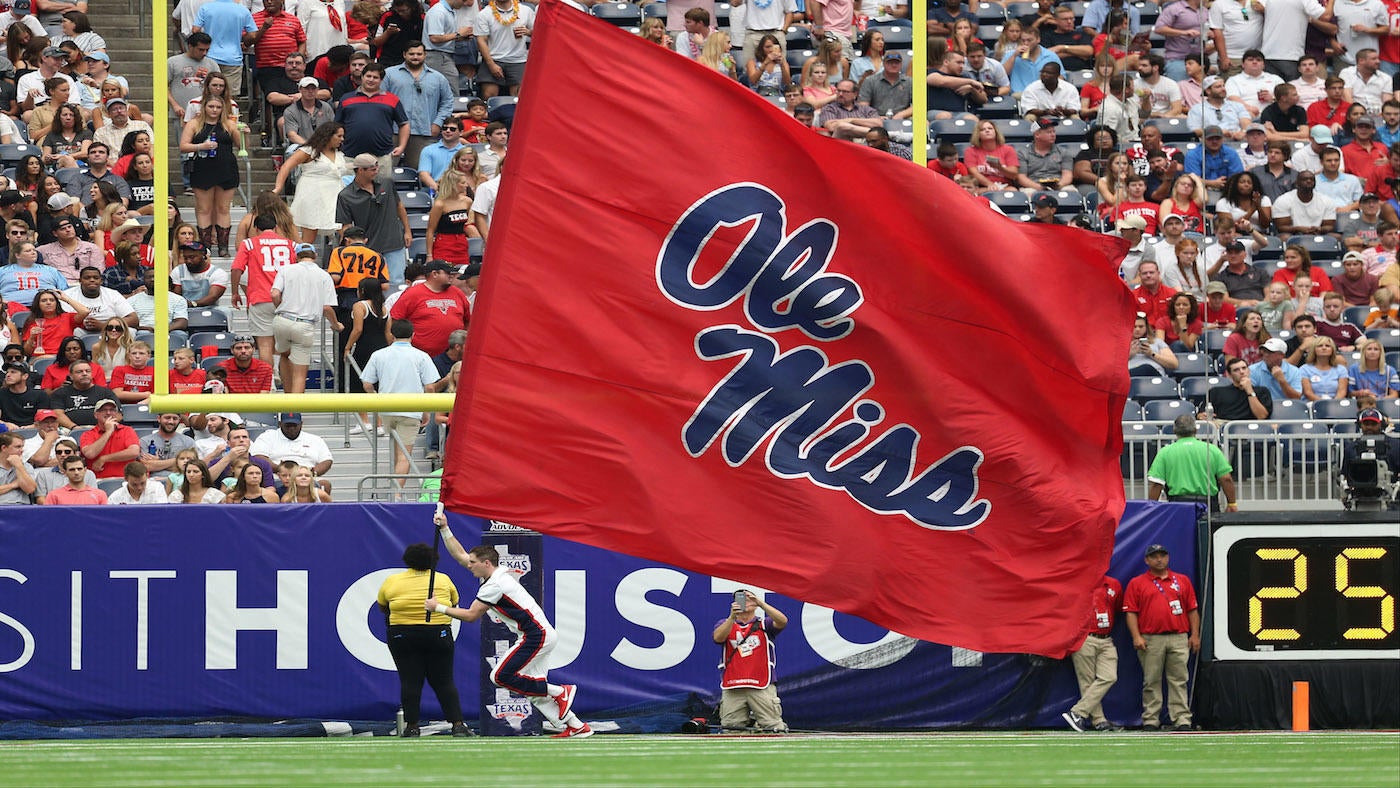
{"points": [[1096, 661], [1166, 626], [435, 307], [110, 445], [247, 375], [1331, 112], [261, 256], [1381, 177]]}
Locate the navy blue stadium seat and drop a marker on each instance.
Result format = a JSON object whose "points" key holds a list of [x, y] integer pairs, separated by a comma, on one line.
{"points": [[213, 361], [1271, 251], [654, 10], [1250, 448], [1173, 129], [1012, 203], [898, 37], [1079, 78], [1390, 407], [137, 416], [207, 319], [1215, 341], [1191, 365], [418, 250], [1132, 411], [1305, 446], [797, 38], [1327, 409], [1146, 389], [1320, 247], [1196, 389], [1140, 445], [1356, 315], [951, 130], [11, 154], [1166, 409], [1019, 9], [1388, 337], [998, 107], [405, 179], [990, 32], [221, 341], [619, 14], [1015, 129], [415, 201], [418, 224], [721, 14], [989, 14], [1292, 410], [1071, 130], [796, 57]]}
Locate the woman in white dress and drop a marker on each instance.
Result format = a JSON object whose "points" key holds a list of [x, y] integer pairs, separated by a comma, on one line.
{"points": [[322, 166]]}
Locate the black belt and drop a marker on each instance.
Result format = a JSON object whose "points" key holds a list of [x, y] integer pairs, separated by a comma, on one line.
{"points": [[1212, 500], [1097, 635]]}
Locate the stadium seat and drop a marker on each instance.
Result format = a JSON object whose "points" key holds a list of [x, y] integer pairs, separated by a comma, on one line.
{"points": [[721, 14], [1173, 130], [10, 155], [20, 319], [1132, 411], [898, 37], [1191, 365], [1155, 388], [1332, 409], [138, 416], [1273, 250], [1166, 409], [999, 107], [418, 250], [1388, 337], [797, 38], [1356, 315], [894, 126], [405, 179], [796, 57], [1015, 129], [1148, 12], [218, 341], [1250, 447], [1079, 78], [1390, 407], [460, 103], [951, 130], [1140, 445], [90, 341], [989, 14], [1071, 130], [1292, 410], [1070, 202], [1309, 449], [654, 10], [1196, 389], [1393, 359], [990, 32], [1019, 9], [213, 361], [1320, 247], [418, 224], [619, 14], [415, 201], [208, 319], [1215, 341], [1072, 149], [110, 486], [476, 248], [496, 102], [1011, 203]]}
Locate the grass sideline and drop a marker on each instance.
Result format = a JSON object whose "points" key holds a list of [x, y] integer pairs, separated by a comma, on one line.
{"points": [[1276, 760]]}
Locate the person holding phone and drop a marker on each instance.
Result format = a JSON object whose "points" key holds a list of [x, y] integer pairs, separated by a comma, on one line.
{"points": [[749, 698]]}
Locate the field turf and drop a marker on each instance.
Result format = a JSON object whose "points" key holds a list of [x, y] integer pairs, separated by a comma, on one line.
{"points": [[1201, 760]]}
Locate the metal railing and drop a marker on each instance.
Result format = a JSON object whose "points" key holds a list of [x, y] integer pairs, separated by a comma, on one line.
{"points": [[386, 488], [1277, 464]]}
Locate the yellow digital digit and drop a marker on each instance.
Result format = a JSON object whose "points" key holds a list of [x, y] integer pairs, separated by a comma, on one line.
{"points": [[1256, 602], [1387, 612]]}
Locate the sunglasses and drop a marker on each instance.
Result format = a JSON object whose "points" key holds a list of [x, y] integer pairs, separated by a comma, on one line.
{"points": [[116, 328], [63, 452]]}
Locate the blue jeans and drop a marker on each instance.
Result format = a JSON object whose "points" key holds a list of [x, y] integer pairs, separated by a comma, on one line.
{"points": [[395, 262], [1390, 69], [1175, 70]]}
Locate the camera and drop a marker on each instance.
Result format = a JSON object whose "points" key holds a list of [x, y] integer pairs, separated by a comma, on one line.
{"points": [[1366, 477]]}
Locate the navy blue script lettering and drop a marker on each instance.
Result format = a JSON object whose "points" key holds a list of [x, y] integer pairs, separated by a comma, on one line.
{"points": [[811, 417]]}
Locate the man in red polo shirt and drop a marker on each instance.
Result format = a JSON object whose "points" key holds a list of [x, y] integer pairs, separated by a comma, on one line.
{"points": [[1381, 177], [1096, 661], [1365, 153], [435, 307], [110, 445], [1166, 627], [279, 33], [1152, 296], [247, 375]]}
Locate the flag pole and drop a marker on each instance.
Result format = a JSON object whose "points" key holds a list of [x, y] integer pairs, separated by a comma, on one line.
{"points": [[432, 571]]}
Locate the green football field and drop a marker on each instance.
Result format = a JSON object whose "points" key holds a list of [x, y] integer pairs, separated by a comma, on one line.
{"points": [[1200, 760]]}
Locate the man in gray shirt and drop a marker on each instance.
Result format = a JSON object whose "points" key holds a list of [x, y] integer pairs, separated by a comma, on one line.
{"points": [[889, 92], [1043, 164], [185, 73]]}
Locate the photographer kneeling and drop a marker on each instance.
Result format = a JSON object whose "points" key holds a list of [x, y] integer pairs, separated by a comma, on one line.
{"points": [[1370, 465]]}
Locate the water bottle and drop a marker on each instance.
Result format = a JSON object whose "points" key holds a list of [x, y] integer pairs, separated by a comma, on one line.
{"points": [[398, 722], [151, 448]]}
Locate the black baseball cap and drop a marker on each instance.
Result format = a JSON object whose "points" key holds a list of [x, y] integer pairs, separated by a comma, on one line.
{"points": [[1156, 548], [439, 265], [469, 270]]}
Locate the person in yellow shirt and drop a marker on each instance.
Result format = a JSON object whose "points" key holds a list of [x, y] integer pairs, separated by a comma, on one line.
{"points": [[421, 649]]}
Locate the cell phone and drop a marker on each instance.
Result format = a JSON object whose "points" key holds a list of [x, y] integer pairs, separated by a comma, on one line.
{"points": [[741, 599]]}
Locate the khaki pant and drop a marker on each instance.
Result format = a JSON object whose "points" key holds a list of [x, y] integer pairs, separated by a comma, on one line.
{"points": [[1165, 656], [1096, 668], [735, 706]]}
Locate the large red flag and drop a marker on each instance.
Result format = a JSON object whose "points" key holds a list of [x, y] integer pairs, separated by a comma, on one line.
{"points": [[708, 336]]}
